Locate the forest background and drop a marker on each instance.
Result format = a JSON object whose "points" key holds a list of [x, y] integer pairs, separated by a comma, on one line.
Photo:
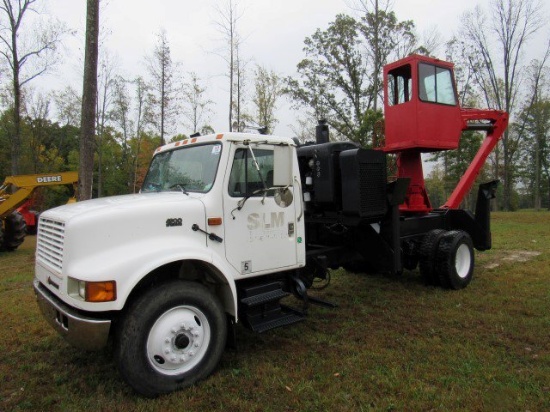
{"points": [[245, 81]]}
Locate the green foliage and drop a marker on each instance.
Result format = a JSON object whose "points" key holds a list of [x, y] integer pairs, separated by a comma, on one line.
{"points": [[267, 89], [340, 78], [334, 77], [46, 146], [435, 185], [534, 167], [5, 151], [443, 179], [178, 137]]}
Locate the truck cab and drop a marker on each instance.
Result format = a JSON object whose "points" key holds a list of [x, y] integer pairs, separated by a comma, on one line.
{"points": [[215, 211]]}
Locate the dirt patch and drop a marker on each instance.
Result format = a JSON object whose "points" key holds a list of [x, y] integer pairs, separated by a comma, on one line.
{"points": [[511, 256]]}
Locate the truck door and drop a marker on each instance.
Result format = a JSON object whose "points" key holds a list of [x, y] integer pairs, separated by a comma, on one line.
{"points": [[260, 230]]}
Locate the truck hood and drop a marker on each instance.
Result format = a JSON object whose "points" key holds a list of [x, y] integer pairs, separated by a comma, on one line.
{"points": [[118, 204], [88, 233]]}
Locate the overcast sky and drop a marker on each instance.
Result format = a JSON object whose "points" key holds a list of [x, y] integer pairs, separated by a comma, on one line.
{"points": [[274, 32]]}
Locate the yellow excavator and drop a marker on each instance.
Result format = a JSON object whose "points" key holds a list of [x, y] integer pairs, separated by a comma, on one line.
{"points": [[15, 193]]}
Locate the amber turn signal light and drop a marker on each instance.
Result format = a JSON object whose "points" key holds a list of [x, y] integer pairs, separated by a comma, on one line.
{"points": [[214, 221], [101, 291]]}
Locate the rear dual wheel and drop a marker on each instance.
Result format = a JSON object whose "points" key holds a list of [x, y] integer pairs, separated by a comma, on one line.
{"points": [[447, 258], [427, 255], [454, 262]]}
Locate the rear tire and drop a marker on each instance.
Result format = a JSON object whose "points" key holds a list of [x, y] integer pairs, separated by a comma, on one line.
{"points": [[15, 230], [455, 260], [171, 337], [427, 255], [1, 235]]}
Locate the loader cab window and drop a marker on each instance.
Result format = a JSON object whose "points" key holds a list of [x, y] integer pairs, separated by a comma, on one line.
{"points": [[244, 180], [399, 85], [436, 84]]}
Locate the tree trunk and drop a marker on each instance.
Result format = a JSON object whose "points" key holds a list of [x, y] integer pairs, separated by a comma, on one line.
{"points": [[89, 101], [16, 138], [537, 173]]}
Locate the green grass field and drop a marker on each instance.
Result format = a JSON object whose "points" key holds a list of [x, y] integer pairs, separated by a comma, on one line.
{"points": [[393, 344]]}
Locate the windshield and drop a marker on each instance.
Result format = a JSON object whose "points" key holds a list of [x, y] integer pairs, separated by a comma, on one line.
{"points": [[189, 169]]}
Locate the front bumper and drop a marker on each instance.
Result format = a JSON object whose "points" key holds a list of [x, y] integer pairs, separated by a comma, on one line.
{"points": [[81, 331]]}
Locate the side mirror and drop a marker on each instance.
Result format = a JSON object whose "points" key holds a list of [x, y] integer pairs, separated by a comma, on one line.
{"points": [[282, 165], [283, 197]]}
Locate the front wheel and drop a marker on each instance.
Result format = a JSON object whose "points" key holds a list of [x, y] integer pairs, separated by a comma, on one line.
{"points": [[171, 337]]}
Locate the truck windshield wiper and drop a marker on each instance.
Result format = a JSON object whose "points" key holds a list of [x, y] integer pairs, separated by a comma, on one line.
{"points": [[180, 187], [257, 167]]}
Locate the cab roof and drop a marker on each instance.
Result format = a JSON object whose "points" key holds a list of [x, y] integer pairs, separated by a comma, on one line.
{"points": [[229, 137]]}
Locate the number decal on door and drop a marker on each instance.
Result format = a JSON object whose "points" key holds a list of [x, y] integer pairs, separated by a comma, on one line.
{"points": [[246, 267]]}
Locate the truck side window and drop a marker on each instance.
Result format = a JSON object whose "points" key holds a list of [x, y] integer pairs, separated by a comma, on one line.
{"points": [[244, 179], [436, 84], [399, 85]]}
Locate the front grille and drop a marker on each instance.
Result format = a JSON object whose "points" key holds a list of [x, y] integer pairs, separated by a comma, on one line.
{"points": [[50, 242]]}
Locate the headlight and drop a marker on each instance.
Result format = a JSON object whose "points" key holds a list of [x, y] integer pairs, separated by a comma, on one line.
{"points": [[82, 289], [93, 291]]}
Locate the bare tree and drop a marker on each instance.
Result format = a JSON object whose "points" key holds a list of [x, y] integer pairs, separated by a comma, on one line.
{"points": [[106, 79], [196, 108], [68, 105], [161, 70], [131, 116], [303, 127], [36, 111], [143, 118], [89, 101], [513, 24], [228, 18], [239, 91], [29, 53]]}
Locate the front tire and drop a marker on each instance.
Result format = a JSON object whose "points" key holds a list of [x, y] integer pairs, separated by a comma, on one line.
{"points": [[170, 338], [455, 260]]}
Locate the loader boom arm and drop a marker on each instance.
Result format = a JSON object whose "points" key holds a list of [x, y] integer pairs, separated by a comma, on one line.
{"points": [[25, 185], [495, 124]]}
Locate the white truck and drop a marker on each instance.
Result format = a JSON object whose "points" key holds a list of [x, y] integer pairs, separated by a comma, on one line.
{"points": [[226, 225]]}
